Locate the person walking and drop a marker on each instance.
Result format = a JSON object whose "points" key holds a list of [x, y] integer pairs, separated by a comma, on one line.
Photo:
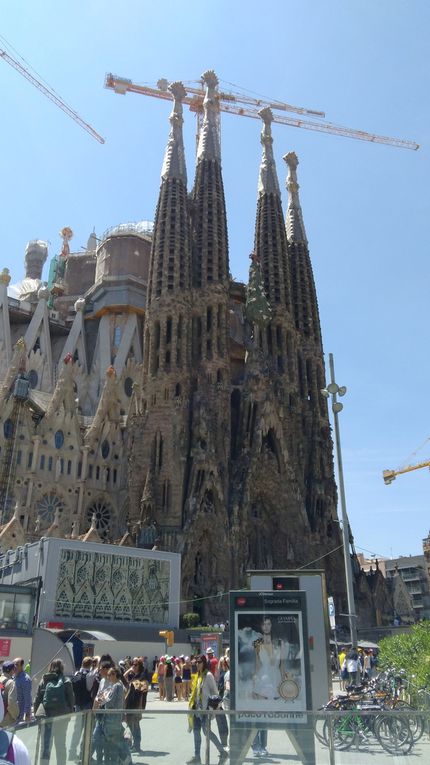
{"points": [[161, 671], [259, 744], [179, 692], [82, 682], [353, 666], [102, 683], [9, 695], [55, 693], [115, 746], [168, 680], [203, 687], [137, 680], [23, 690], [186, 678]]}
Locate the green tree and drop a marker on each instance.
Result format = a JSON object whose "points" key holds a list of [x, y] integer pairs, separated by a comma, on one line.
{"points": [[409, 652]]}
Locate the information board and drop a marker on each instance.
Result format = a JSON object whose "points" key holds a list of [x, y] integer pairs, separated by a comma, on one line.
{"points": [[269, 643]]}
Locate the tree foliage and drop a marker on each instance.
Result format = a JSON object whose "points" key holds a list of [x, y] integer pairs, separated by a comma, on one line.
{"points": [[409, 652], [190, 620]]}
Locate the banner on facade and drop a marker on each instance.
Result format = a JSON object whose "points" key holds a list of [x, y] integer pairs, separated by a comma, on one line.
{"points": [[270, 664]]}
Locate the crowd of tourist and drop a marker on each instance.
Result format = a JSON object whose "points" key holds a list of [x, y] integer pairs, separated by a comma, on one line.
{"points": [[100, 684], [354, 665]]}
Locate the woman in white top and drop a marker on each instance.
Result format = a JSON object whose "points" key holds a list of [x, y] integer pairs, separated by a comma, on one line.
{"points": [[204, 686]]}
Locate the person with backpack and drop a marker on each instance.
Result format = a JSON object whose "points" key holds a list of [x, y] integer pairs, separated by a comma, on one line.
{"points": [[12, 749], [82, 682], [55, 693], [9, 695]]}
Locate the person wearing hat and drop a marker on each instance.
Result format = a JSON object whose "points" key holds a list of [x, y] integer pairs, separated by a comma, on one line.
{"points": [[12, 749], [9, 694], [213, 662]]}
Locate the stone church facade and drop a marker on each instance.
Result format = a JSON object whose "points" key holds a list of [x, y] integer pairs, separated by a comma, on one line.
{"points": [[149, 399]]}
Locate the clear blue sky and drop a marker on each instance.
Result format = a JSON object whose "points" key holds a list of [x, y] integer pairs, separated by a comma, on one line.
{"points": [[366, 207]]}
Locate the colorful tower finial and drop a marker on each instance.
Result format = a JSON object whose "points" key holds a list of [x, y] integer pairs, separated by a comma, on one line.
{"points": [[66, 234]]}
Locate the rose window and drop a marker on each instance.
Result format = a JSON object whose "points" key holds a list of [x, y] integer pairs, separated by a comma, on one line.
{"points": [[47, 507], [102, 514]]}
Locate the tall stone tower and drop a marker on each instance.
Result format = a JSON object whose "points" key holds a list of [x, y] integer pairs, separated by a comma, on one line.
{"points": [[230, 451]]}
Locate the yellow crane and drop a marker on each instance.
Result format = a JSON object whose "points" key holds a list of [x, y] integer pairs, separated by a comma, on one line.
{"points": [[246, 106], [390, 475], [49, 93]]}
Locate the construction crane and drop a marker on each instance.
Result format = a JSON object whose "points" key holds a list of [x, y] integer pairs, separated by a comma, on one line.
{"points": [[245, 106], [50, 94], [390, 475]]}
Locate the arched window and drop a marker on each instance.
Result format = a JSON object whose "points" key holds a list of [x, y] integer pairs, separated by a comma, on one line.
{"points": [[59, 439], [117, 336], [8, 428]]}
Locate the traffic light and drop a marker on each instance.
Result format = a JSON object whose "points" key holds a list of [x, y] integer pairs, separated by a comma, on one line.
{"points": [[168, 635]]}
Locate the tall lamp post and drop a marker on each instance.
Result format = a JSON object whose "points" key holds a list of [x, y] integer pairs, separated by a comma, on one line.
{"points": [[333, 390]]}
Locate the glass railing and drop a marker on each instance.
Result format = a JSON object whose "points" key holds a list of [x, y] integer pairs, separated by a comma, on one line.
{"points": [[167, 737]]}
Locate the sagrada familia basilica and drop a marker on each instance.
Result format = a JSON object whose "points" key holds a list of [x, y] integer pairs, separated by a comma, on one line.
{"points": [[149, 399]]}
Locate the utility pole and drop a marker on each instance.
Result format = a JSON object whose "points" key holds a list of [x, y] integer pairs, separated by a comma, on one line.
{"points": [[333, 390]]}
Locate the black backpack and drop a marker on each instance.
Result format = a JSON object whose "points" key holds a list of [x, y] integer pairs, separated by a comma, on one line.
{"points": [[79, 683]]}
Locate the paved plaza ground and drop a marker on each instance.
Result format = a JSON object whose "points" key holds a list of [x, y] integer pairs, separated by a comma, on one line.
{"points": [[166, 741]]}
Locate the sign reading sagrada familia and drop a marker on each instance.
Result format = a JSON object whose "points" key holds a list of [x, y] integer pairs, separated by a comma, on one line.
{"points": [[149, 399]]}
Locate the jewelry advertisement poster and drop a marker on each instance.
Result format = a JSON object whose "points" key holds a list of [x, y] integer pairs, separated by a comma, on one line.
{"points": [[270, 656]]}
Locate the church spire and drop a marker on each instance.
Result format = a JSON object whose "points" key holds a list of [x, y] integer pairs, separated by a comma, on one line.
{"points": [[270, 239], [294, 220], [174, 157], [303, 292], [210, 242], [268, 179], [169, 268], [209, 139]]}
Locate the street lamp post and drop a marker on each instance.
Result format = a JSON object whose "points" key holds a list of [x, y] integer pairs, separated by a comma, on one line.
{"points": [[333, 390]]}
